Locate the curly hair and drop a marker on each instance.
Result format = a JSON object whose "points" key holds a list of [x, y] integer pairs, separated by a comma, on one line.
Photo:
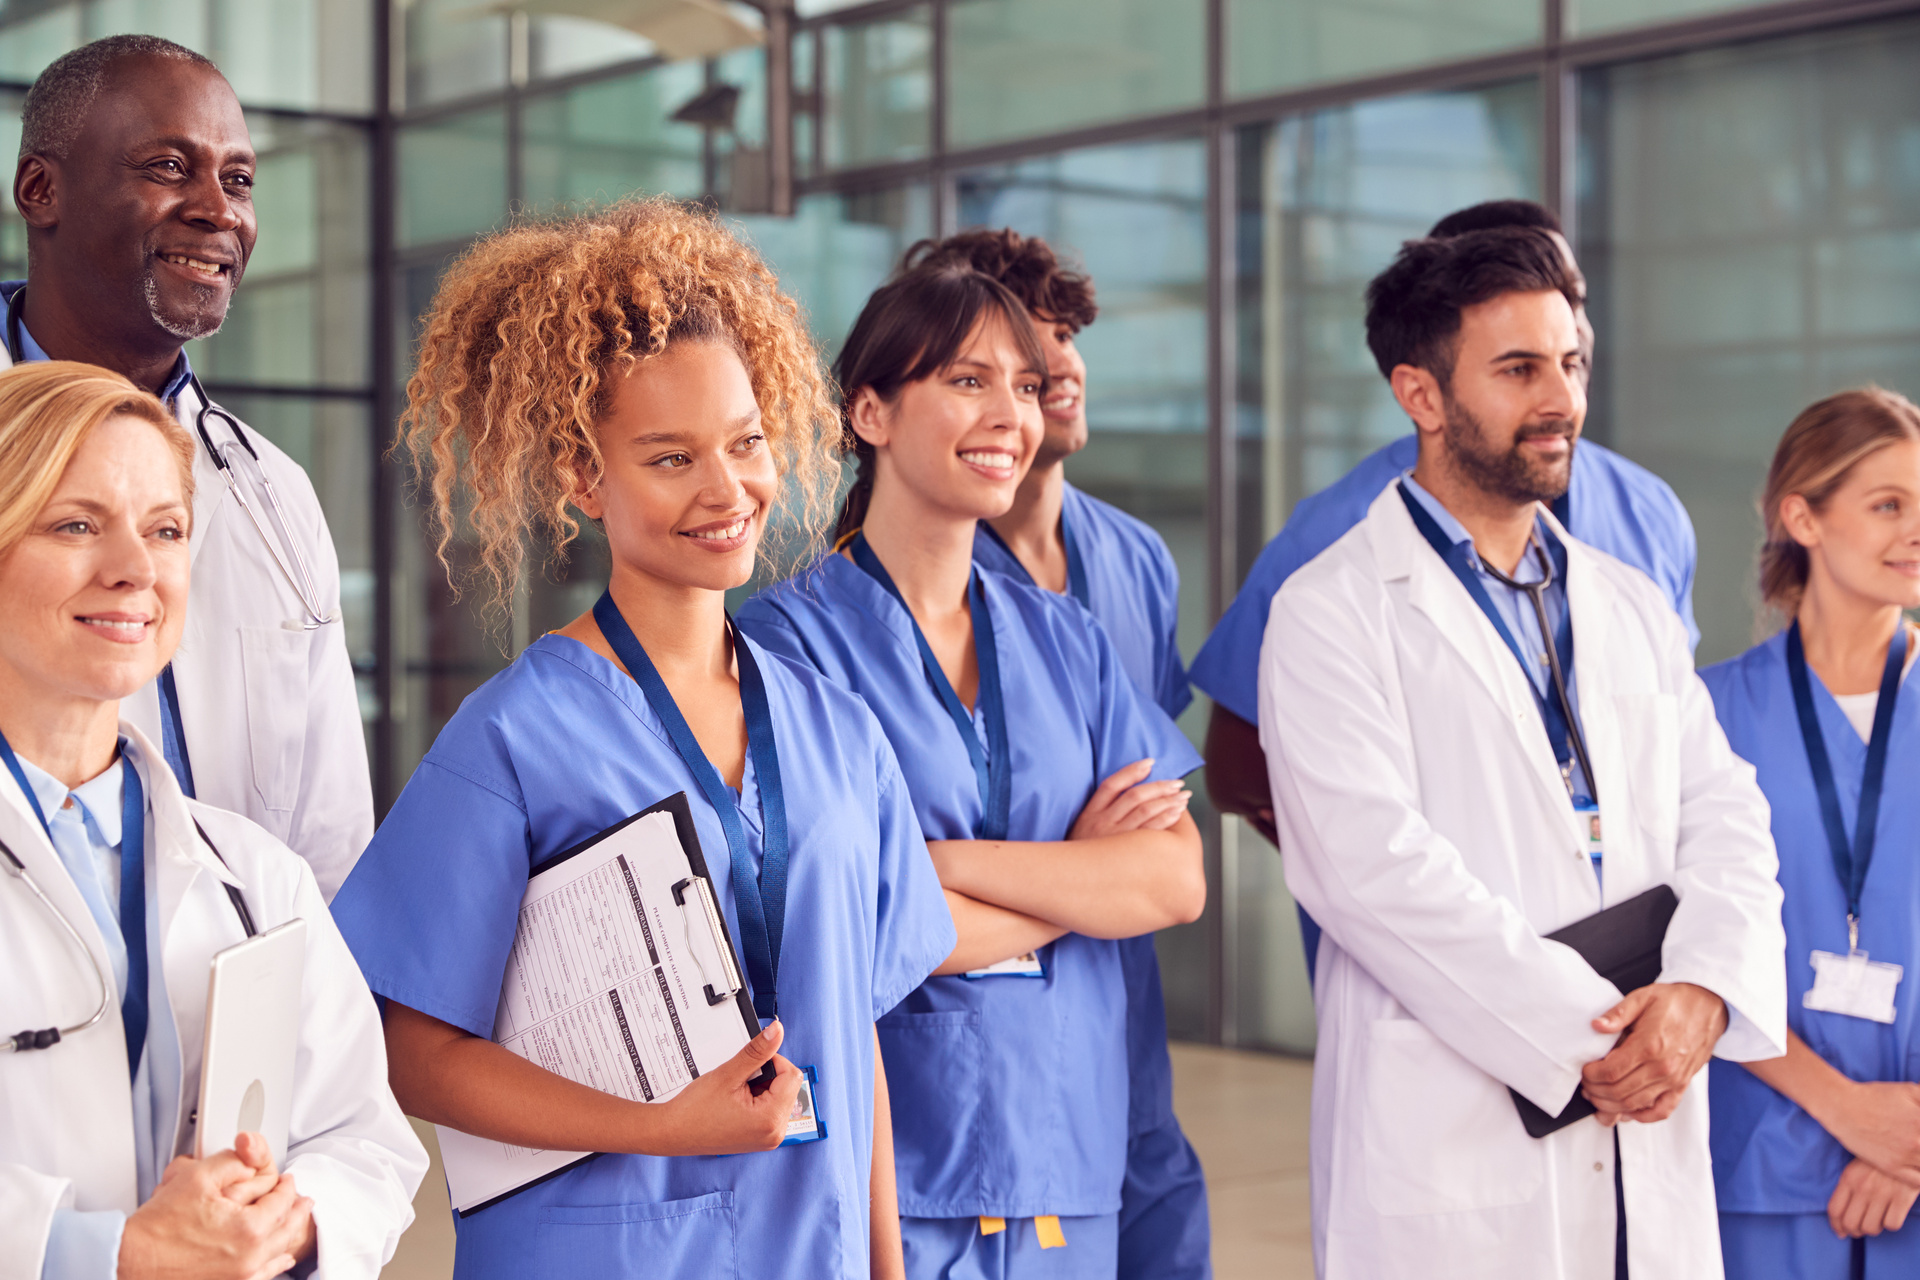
{"points": [[519, 353], [1027, 265]]}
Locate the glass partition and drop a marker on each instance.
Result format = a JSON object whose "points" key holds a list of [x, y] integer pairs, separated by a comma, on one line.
{"points": [[452, 175], [1274, 45], [1750, 225], [1023, 67], [606, 139], [876, 86]]}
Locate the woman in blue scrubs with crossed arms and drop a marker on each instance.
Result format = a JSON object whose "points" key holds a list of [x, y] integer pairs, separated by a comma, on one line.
{"points": [[640, 368], [1048, 787], [1817, 1155]]}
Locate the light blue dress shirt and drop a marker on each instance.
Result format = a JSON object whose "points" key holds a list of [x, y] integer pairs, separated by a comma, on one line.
{"points": [[85, 826], [31, 350]]}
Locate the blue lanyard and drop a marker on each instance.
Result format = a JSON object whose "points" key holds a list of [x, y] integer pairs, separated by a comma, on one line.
{"points": [[761, 900], [990, 768], [1849, 863], [133, 890], [1561, 726], [1076, 564], [173, 734]]}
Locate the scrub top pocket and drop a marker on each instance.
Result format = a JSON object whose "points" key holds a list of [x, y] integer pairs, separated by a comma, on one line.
{"points": [[675, 1240], [934, 1056]]}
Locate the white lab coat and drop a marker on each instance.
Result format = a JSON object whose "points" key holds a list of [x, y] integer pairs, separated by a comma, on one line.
{"points": [[272, 715], [66, 1113], [1423, 822]]}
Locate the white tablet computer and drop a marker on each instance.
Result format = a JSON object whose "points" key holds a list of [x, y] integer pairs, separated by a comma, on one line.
{"points": [[253, 1033]]}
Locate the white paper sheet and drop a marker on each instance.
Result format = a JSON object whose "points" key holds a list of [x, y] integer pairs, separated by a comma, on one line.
{"points": [[605, 986]]}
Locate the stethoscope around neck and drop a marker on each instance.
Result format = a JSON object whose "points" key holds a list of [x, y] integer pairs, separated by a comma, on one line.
{"points": [[282, 546]]}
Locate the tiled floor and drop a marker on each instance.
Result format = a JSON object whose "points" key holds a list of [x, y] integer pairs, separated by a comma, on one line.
{"points": [[1245, 1112]]}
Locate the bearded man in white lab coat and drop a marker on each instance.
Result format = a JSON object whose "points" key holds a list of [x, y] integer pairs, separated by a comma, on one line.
{"points": [[1435, 816], [135, 180]]}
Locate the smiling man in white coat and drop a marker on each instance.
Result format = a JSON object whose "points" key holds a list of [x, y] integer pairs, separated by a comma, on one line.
{"points": [[135, 180], [1479, 731]]}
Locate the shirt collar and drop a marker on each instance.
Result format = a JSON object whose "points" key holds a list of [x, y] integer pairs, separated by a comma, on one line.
{"points": [[1457, 534], [99, 799], [31, 350]]}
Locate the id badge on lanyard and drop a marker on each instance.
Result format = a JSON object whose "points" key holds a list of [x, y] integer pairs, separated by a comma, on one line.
{"points": [[1854, 985]]}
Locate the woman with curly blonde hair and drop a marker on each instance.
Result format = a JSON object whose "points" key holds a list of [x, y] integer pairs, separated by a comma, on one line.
{"points": [[640, 368]]}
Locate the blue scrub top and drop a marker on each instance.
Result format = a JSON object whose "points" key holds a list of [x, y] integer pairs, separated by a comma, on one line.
{"points": [[1769, 1156], [559, 746], [1010, 1095], [1133, 588], [1613, 504]]}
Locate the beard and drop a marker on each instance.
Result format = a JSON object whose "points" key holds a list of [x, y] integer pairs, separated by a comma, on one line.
{"points": [[200, 318], [1512, 473]]}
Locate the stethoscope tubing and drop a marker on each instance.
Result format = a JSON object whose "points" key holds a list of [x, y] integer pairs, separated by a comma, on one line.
{"points": [[47, 1037]]}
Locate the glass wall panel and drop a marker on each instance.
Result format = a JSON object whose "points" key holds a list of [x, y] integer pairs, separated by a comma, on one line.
{"points": [[1750, 225], [1135, 217], [877, 86], [612, 137], [1585, 17], [838, 248], [1024, 67], [1274, 45], [564, 46], [300, 316], [454, 49], [314, 55], [452, 175], [1324, 201]]}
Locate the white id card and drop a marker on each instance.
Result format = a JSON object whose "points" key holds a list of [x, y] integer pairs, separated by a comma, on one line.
{"points": [[1026, 966], [1853, 985]]}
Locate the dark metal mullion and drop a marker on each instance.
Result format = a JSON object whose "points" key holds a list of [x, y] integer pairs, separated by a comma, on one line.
{"points": [[385, 477], [946, 202], [1556, 120]]}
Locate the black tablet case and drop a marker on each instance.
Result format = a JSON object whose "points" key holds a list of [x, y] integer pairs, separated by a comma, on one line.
{"points": [[1623, 945]]}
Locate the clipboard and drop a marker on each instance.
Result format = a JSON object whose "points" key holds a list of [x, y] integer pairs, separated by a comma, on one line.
{"points": [[623, 976]]}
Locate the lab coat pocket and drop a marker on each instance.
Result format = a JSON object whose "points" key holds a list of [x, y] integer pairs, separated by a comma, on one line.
{"points": [[1440, 1135], [675, 1240], [1650, 746], [274, 662], [934, 1066]]}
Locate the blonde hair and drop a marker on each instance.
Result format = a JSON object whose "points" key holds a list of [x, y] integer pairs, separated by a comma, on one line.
{"points": [[47, 410], [1814, 458], [526, 335]]}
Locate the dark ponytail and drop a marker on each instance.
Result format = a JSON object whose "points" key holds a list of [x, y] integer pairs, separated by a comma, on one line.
{"points": [[914, 326]]}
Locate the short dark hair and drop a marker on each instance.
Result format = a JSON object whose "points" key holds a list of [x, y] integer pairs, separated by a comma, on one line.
{"points": [[912, 327], [1495, 213], [1414, 306], [1025, 264], [58, 103]]}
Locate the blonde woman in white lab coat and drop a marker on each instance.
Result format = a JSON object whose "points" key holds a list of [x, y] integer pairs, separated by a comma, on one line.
{"points": [[95, 527], [1432, 824]]}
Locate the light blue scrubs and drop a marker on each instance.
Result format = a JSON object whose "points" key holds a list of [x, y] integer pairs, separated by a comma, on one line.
{"points": [[1133, 588], [1010, 1095], [562, 745], [1774, 1167], [1611, 503]]}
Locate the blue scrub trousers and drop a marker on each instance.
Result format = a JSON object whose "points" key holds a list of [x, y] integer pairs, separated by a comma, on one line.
{"points": [[1801, 1246], [954, 1249], [1164, 1230]]}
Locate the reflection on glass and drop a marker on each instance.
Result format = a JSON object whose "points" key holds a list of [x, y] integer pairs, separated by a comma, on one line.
{"points": [[1135, 217], [1274, 45], [1324, 202], [452, 175], [314, 55], [877, 87], [300, 314], [1750, 226], [610, 138], [1024, 67], [454, 48]]}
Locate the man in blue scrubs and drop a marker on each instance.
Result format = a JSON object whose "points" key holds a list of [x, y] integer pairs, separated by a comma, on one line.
{"points": [[1068, 541], [1613, 504]]}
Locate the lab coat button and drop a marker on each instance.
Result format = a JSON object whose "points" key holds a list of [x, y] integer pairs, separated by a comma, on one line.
{"points": [[1598, 1167]]}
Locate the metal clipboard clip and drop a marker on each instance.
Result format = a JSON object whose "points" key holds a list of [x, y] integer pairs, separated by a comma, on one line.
{"points": [[704, 891]]}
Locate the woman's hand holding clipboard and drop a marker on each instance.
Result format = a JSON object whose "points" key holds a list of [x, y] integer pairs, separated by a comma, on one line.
{"points": [[729, 1110]]}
